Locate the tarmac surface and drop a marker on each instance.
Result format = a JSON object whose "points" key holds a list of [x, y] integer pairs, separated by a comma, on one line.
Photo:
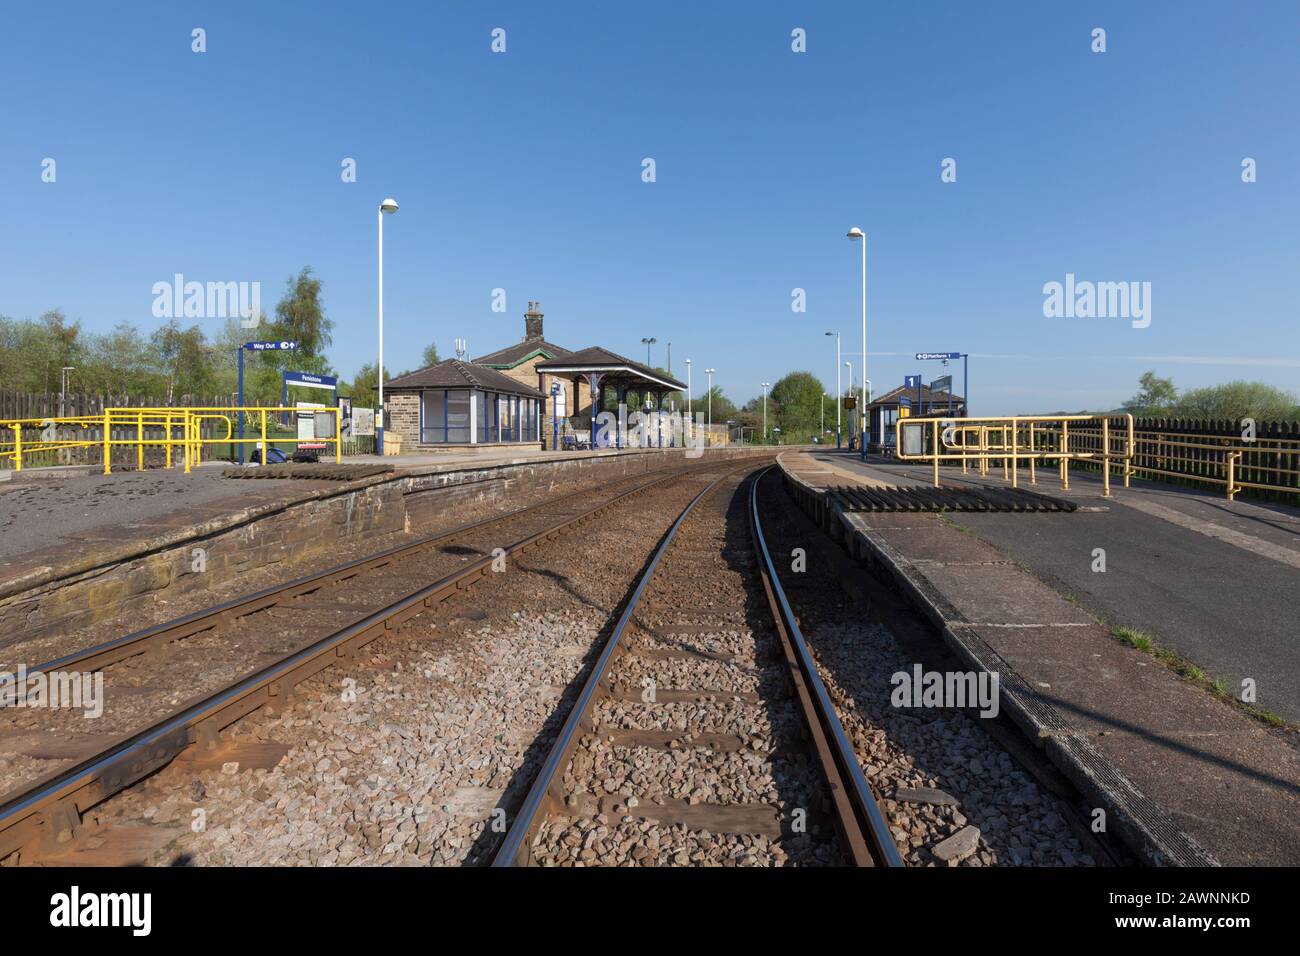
{"points": [[37, 512], [1217, 582]]}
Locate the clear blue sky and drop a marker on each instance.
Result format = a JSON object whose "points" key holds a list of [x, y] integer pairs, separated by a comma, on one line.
{"points": [[523, 171]]}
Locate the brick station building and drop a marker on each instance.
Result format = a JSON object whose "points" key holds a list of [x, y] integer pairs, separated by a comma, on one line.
{"points": [[514, 395]]}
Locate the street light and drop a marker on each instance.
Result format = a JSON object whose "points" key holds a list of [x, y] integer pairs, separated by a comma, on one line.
{"points": [[387, 206], [850, 365], [823, 429], [855, 234], [647, 343], [766, 386], [839, 389], [688, 387], [709, 372], [866, 409]]}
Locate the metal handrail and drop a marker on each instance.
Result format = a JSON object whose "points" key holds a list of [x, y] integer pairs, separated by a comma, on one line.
{"points": [[182, 426], [1046, 438]]}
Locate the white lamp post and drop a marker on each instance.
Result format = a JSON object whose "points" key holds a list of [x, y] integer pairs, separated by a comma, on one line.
{"points": [[855, 234], [850, 366], [839, 389], [387, 206], [688, 386], [766, 386]]}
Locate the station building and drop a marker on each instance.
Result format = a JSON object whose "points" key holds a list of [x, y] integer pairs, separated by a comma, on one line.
{"points": [[528, 393], [882, 412]]}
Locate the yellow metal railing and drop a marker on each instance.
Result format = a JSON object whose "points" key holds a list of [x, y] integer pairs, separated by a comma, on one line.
{"points": [[171, 429], [1026, 439], [1234, 462]]}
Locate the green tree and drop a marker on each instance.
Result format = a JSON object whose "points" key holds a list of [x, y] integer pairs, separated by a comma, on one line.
{"points": [[1155, 395], [1237, 400], [183, 359], [795, 403], [118, 365], [299, 317], [430, 356], [723, 407], [365, 385]]}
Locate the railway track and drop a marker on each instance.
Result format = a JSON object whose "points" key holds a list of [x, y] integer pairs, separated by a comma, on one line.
{"points": [[703, 733], [263, 636]]}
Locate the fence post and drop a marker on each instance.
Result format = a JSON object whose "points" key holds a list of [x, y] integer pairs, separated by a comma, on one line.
{"points": [[139, 441], [934, 431], [1015, 461], [1065, 462], [1232, 474], [108, 438], [18, 446], [1129, 451], [1033, 455], [262, 457], [1105, 456], [338, 434]]}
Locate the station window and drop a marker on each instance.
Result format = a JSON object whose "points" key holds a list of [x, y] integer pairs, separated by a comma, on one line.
{"points": [[433, 417], [458, 417]]}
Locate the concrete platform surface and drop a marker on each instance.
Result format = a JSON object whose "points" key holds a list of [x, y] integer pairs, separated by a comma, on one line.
{"points": [[1215, 581], [1185, 777]]}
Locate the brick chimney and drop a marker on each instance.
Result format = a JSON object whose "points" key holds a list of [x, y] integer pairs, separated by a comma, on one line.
{"points": [[533, 322]]}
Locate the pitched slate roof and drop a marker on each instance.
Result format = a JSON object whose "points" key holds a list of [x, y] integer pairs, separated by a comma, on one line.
{"points": [[453, 373], [892, 396], [512, 355], [598, 359]]}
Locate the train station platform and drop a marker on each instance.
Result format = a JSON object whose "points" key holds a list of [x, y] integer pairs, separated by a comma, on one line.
{"points": [[78, 547], [1184, 776]]}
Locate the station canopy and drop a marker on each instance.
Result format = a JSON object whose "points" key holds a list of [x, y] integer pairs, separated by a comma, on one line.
{"points": [[613, 371]]}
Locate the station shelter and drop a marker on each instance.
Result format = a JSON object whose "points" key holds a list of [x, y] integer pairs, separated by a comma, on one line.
{"points": [[883, 412], [532, 392], [635, 387], [461, 403]]}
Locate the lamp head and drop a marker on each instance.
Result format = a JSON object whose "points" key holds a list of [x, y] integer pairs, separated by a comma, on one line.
{"points": [[856, 233], [389, 205]]}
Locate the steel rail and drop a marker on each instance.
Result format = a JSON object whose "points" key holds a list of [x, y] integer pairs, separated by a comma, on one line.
{"points": [[864, 826], [527, 820], [32, 812], [861, 824], [119, 649]]}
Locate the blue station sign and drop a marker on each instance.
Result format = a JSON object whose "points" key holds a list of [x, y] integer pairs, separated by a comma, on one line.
{"points": [[306, 378], [270, 346], [926, 356]]}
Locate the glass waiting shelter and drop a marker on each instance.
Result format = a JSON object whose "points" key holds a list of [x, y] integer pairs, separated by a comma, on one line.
{"points": [[459, 403]]}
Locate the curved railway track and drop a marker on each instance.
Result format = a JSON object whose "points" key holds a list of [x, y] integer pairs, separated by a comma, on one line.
{"points": [[263, 635], [703, 732]]}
